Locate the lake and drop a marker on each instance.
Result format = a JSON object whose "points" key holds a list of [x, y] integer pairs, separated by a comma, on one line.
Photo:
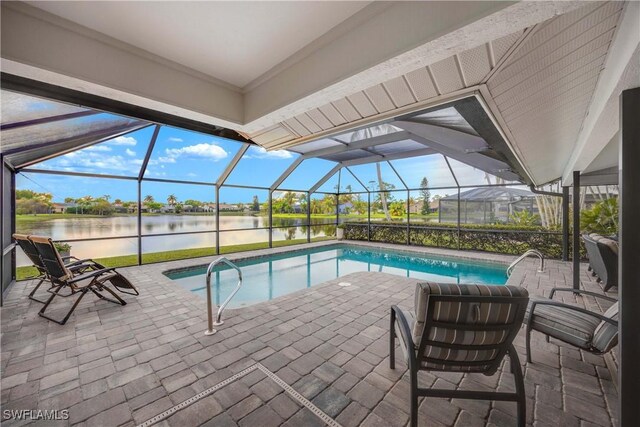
{"points": [[114, 226]]}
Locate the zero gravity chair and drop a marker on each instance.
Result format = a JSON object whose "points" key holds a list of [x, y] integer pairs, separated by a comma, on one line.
{"points": [[75, 265], [62, 277], [461, 328]]}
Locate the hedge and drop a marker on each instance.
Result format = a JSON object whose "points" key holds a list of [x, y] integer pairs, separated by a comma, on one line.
{"points": [[504, 239]]}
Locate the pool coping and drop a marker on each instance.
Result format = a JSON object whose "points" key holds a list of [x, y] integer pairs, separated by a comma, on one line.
{"points": [[476, 256]]}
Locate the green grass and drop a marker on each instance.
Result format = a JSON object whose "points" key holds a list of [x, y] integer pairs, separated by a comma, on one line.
{"points": [[29, 219], [23, 273]]}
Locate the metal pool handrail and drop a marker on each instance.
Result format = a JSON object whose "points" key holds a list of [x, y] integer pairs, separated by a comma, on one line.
{"points": [[218, 322], [530, 252]]}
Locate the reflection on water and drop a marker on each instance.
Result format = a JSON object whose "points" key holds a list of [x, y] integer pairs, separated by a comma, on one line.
{"points": [[269, 277], [92, 228]]}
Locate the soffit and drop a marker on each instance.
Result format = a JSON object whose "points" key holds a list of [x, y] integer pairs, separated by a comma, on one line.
{"points": [[235, 42], [450, 75], [544, 89]]}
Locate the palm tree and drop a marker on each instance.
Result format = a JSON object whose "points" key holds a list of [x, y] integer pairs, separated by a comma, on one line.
{"points": [[383, 194], [148, 199], [172, 200], [107, 197]]}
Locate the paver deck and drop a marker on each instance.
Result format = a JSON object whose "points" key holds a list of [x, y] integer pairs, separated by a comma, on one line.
{"points": [[113, 365]]}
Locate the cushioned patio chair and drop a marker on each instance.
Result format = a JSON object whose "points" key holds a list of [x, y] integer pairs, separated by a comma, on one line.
{"points": [[62, 277], [461, 328], [75, 265], [603, 258], [593, 332]]}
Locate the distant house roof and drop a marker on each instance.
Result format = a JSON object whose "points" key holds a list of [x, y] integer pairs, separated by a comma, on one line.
{"points": [[65, 205], [491, 193]]}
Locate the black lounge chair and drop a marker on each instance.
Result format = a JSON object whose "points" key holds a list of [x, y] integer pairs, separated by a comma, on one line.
{"points": [[461, 328], [61, 277], [603, 259], [75, 265], [593, 332]]}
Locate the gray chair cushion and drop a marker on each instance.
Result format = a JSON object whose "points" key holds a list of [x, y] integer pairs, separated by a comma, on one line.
{"points": [[462, 313], [448, 312], [564, 324], [605, 336]]}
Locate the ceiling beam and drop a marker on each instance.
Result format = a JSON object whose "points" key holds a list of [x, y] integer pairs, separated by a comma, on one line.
{"points": [[406, 154], [50, 119], [361, 144], [287, 172], [325, 178], [225, 174]]}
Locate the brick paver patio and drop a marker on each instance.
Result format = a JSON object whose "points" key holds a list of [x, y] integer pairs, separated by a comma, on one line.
{"points": [[113, 365]]}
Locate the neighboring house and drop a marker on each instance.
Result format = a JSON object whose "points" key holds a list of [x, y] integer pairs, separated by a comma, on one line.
{"points": [[62, 207], [119, 208], [416, 207], [344, 208], [228, 207], [167, 209]]}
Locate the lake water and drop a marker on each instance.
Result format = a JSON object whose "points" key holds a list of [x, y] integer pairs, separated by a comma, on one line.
{"points": [[98, 228]]}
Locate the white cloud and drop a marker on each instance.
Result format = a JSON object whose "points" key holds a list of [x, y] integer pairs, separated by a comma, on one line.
{"points": [[203, 150], [123, 140], [95, 161], [174, 139], [191, 174], [102, 148], [262, 153], [130, 152]]}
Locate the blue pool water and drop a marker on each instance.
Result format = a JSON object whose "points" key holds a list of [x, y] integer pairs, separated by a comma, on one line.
{"points": [[272, 276]]}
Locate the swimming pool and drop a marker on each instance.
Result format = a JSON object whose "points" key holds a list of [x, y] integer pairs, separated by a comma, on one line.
{"points": [[272, 276]]}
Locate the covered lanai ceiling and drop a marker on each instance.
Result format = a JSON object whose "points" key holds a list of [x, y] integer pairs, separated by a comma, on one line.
{"points": [[546, 74]]}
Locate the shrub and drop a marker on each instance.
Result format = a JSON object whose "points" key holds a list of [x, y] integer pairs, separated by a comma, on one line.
{"points": [[499, 238], [601, 218]]}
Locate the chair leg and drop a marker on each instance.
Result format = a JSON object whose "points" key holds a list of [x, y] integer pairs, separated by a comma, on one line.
{"points": [[54, 294], [519, 380], [414, 397], [117, 300], [528, 344], [33, 292], [392, 341]]}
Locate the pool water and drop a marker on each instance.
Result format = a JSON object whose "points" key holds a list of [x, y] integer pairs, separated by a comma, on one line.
{"points": [[269, 277]]}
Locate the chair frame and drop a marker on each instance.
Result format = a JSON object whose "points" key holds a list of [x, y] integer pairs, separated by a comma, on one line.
{"points": [[52, 261], [78, 266], [529, 322], [414, 358]]}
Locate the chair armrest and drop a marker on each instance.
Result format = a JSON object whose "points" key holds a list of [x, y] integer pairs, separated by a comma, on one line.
{"points": [[403, 323], [579, 291], [78, 261], [90, 274], [570, 307]]}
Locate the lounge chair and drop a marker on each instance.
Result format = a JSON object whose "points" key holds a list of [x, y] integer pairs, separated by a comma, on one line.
{"points": [[61, 277], [593, 332], [75, 265], [603, 258], [461, 328]]}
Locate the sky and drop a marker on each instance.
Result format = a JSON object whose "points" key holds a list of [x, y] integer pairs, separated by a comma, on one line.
{"points": [[191, 156]]}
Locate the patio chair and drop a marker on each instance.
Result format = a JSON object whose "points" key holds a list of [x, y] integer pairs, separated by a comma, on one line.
{"points": [[461, 328], [61, 277], [75, 265], [593, 332], [603, 258]]}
